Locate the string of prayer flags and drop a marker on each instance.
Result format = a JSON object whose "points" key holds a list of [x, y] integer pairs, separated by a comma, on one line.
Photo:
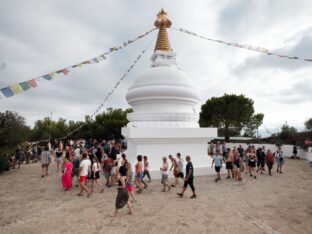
{"points": [[97, 110], [248, 47], [33, 83]]}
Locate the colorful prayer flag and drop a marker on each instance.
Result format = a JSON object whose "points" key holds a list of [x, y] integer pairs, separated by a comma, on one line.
{"points": [[25, 86], [96, 60], [7, 92], [32, 83], [16, 88], [65, 71], [47, 77]]}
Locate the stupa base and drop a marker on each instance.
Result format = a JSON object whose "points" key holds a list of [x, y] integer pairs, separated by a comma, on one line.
{"points": [[158, 142]]}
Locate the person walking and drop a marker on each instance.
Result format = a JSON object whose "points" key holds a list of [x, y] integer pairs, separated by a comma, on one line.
{"points": [[189, 178], [95, 175], [122, 198], [84, 169], [280, 158], [269, 161], [58, 158], [146, 171], [217, 160], [252, 163], [139, 173], [164, 175], [180, 168], [175, 167], [45, 161], [67, 172]]}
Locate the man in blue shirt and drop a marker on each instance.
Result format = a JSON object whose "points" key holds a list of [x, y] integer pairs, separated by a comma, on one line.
{"points": [[189, 178], [217, 160]]}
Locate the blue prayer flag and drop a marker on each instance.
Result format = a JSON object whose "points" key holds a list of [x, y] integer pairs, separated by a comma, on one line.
{"points": [[7, 92]]}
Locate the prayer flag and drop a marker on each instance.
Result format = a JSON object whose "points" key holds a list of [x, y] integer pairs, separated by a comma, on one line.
{"points": [[65, 71], [25, 86], [96, 60], [7, 92], [47, 77], [32, 83], [16, 88]]}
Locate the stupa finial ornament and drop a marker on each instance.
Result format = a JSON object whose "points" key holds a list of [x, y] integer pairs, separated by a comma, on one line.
{"points": [[162, 23]]}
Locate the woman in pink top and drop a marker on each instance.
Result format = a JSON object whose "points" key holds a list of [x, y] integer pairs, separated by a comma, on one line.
{"points": [[67, 171]]}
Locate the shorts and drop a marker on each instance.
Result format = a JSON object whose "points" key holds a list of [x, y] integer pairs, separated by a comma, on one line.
{"points": [[180, 175], [217, 169], [252, 163], [45, 165], [58, 159], [107, 174], [97, 175], [229, 165], [279, 162], [237, 164], [260, 163], [139, 175], [164, 179], [82, 179], [130, 187], [75, 172]]}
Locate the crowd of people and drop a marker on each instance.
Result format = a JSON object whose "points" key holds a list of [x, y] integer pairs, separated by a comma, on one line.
{"points": [[83, 162], [250, 160]]}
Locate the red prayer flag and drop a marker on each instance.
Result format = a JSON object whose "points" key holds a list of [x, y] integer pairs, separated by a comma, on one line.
{"points": [[33, 83], [65, 71]]}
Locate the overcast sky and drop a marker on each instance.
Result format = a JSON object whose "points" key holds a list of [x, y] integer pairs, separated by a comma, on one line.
{"points": [[37, 37]]}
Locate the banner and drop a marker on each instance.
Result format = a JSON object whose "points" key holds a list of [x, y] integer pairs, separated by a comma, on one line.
{"points": [[248, 47], [33, 83]]}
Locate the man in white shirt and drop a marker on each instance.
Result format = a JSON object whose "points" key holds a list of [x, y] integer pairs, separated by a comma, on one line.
{"points": [[84, 168], [77, 152]]}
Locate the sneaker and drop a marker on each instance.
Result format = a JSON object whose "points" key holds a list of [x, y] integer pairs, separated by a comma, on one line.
{"points": [[180, 195], [193, 196], [173, 185]]}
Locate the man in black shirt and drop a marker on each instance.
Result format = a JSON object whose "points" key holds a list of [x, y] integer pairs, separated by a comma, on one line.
{"points": [[189, 178]]}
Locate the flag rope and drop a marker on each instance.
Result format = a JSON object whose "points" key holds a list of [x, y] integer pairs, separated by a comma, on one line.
{"points": [[242, 46], [113, 89], [11, 90]]}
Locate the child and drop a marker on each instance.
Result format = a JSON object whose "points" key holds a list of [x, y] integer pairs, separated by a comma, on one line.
{"points": [[146, 171], [217, 160]]}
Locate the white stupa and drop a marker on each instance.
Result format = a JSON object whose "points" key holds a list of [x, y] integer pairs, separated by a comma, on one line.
{"points": [[164, 120]]}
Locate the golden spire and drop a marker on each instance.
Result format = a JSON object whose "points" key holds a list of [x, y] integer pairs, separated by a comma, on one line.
{"points": [[162, 23]]}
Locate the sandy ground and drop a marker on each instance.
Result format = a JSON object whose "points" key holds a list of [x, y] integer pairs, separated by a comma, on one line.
{"points": [[277, 204]]}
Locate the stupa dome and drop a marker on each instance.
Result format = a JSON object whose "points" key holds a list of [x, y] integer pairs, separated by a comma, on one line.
{"points": [[163, 96]]}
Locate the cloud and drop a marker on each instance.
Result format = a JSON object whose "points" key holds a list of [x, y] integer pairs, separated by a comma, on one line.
{"points": [[39, 37]]}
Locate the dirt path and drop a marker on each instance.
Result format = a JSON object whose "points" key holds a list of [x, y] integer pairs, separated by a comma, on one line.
{"points": [[277, 204]]}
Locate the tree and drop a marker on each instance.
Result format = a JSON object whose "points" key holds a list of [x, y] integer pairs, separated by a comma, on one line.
{"points": [[13, 131], [251, 129], [106, 125], [288, 134], [308, 124], [229, 113]]}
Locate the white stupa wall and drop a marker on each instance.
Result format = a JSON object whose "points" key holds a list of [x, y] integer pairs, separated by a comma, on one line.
{"points": [[164, 121]]}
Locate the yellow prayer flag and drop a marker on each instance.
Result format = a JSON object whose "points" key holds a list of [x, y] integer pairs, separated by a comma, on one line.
{"points": [[16, 88]]}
